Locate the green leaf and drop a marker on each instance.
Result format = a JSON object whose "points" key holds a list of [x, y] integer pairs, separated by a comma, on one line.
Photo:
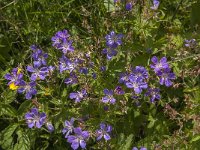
{"points": [[127, 143], [8, 96], [6, 139], [7, 110], [109, 4], [152, 122], [24, 106], [23, 141], [196, 138]]}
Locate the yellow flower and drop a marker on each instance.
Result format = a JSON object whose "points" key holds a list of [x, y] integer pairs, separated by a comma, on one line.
{"points": [[19, 70], [12, 86]]}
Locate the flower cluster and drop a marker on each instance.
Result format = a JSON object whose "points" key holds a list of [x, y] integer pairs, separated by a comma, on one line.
{"points": [[37, 119], [113, 40], [70, 65], [75, 136], [136, 79], [62, 42], [190, 43], [162, 70], [38, 71], [14, 78]]}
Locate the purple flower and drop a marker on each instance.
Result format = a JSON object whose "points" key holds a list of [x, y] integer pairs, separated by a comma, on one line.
{"points": [[66, 46], [66, 64], [156, 3], [78, 96], [59, 37], [104, 132], [159, 65], [119, 91], [37, 73], [113, 40], [103, 68], [190, 43], [39, 58], [140, 72], [137, 84], [110, 52], [124, 77], [78, 139], [35, 119], [28, 88], [68, 127], [15, 77], [63, 34], [166, 76], [49, 126], [154, 94], [33, 47], [142, 148], [51, 69], [72, 79], [129, 6], [109, 97], [84, 70], [94, 75]]}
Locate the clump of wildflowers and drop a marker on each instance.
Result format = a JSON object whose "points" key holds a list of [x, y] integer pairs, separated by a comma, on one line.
{"points": [[113, 40], [35, 119], [38, 56], [162, 70], [79, 139], [62, 42], [104, 132]]}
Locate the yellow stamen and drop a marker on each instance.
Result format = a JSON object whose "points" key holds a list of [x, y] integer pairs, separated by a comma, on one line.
{"points": [[12, 86]]}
